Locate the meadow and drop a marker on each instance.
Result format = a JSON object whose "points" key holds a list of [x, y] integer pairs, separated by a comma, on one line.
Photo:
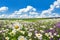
{"points": [[30, 29]]}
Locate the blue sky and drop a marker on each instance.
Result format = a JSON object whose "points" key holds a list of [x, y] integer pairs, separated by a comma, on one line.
{"points": [[18, 4], [40, 6]]}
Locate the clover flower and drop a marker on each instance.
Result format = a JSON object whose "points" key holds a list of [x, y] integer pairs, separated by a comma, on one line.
{"points": [[57, 24]]}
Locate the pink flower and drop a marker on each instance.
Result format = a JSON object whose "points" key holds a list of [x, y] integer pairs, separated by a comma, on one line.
{"points": [[57, 25]]}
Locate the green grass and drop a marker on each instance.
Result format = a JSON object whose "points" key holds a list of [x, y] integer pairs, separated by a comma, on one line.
{"points": [[26, 19]]}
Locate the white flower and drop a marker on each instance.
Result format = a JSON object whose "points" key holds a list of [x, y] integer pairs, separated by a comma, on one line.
{"points": [[23, 32], [7, 38], [2, 28], [55, 33], [30, 39], [41, 31], [13, 32], [47, 34], [29, 34], [51, 28], [50, 33], [7, 30], [17, 26], [51, 36], [0, 31], [21, 38], [43, 26], [26, 28], [31, 29], [38, 35]]}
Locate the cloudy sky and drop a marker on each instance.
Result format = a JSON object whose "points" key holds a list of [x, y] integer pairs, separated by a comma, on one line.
{"points": [[29, 8]]}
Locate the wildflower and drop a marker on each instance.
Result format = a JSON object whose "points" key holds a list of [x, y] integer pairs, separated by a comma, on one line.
{"points": [[55, 33], [51, 28], [58, 35], [41, 31], [30, 39], [47, 34], [0, 31], [51, 36], [22, 32], [17, 26], [59, 38], [29, 34], [52, 31], [38, 35], [21, 38], [31, 29], [2, 28], [7, 30], [43, 26], [57, 25], [35, 31], [7, 38], [12, 33], [26, 28]]}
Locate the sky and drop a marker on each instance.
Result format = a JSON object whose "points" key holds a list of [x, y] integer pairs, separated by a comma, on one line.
{"points": [[29, 8]]}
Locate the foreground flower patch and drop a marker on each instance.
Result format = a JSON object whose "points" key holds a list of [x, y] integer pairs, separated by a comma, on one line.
{"points": [[48, 29]]}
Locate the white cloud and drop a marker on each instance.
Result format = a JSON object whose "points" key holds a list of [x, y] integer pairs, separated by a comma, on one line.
{"points": [[29, 8], [2, 9], [49, 12], [31, 12], [27, 12], [3, 16]]}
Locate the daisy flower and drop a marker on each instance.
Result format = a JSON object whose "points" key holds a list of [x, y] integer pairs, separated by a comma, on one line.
{"points": [[7, 38], [38, 35], [17, 26], [21, 38]]}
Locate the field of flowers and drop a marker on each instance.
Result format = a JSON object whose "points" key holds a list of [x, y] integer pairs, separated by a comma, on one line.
{"points": [[48, 29]]}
